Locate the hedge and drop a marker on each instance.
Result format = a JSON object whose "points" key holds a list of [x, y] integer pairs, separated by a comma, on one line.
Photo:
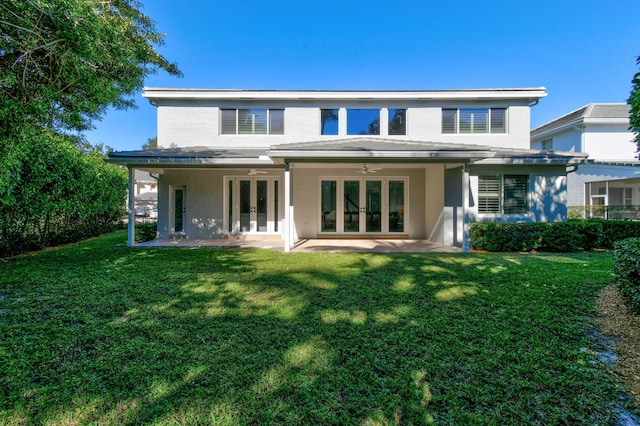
{"points": [[146, 231], [579, 235], [627, 270]]}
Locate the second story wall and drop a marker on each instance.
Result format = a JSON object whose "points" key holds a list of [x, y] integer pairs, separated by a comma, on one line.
{"points": [[210, 122]]}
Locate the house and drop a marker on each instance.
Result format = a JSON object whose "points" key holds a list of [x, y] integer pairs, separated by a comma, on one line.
{"points": [[145, 189], [610, 181], [348, 164]]}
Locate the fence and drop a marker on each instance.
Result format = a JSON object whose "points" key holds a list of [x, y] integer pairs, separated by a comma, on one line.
{"points": [[631, 212]]}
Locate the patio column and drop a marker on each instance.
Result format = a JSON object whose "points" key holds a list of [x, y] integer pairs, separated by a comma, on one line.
{"points": [[131, 225], [287, 209], [466, 246]]}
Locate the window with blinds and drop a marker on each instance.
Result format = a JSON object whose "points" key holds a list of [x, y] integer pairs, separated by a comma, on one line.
{"points": [[474, 120], [449, 121], [252, 121], [489, 189], [515, 194], [503, 194]]}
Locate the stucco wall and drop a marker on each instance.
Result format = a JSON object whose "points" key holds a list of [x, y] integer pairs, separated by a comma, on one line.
{"points": [[203, 197], [547, 193], [188, 124]]}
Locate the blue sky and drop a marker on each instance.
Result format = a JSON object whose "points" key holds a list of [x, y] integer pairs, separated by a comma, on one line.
{"points": [[581, 51]]}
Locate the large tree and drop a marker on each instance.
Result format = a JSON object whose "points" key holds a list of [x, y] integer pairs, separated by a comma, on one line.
{"points": [[64, 62], [634, 103]]}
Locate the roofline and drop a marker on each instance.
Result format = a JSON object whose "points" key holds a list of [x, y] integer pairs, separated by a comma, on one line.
{"points": [[584, 119], [155, 94]]}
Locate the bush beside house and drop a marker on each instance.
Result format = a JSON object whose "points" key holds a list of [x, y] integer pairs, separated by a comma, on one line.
{"points": [[627, 270], [551, 237]]}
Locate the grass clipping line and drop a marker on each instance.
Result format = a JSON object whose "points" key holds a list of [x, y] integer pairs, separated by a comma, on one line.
{"points": [[617, 320]]}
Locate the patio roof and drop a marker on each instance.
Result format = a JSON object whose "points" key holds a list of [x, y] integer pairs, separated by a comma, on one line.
{"points": [[369, 149]]}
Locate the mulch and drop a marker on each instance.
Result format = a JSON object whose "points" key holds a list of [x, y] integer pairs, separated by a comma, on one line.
{"points": [[617, 320]]}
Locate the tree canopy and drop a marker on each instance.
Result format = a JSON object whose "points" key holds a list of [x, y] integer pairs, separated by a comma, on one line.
{"points": [[64, 62], [634, 103]]}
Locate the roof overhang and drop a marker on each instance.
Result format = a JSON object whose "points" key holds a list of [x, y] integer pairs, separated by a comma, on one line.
{"points": [[191, 157], [361, 149], [157, 95]]}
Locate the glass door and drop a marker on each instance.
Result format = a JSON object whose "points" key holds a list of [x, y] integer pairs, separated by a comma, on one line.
{"points": [[252, 205], [351, 206], [178, 209], [368, 206]]}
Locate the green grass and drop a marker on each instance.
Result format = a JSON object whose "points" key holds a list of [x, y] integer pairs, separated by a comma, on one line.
{"points": [[98, 333]]}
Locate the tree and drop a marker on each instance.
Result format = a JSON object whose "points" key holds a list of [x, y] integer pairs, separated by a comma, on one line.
{"points": [[152, 143], [634, 103], [64, 62]]}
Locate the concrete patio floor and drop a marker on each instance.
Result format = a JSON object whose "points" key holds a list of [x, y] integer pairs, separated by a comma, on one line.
{"points": [[313, 245]]}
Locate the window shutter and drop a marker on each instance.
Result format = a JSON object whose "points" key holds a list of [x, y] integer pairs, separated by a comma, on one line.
{"points": [[228, 118], [489, 194], [515, 194], [449, 120], [498, 120], [252, 121], [276, 122]]}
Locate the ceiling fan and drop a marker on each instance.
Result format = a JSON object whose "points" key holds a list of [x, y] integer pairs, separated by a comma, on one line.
{"points": [[253, 172], [364, 170]]}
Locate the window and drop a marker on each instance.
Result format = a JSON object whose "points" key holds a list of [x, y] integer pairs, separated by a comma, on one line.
{"points": [[474, 120], [252, 121], [547, 145], [397, 121], [363, 122], [503, 194], [328, 121]]}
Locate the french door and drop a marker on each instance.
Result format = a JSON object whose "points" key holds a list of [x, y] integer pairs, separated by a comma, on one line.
{"points": [[253, 205], [363, 205]]}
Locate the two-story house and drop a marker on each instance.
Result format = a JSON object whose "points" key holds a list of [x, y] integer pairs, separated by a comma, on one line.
{"points": [[348, 164], [610, 181]]}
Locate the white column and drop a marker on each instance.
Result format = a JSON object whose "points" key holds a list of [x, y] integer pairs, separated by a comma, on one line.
{"points": [[287, 210], [466, 246], [131, 213]]}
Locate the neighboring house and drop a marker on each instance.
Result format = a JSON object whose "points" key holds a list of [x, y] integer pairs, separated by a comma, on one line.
{"points": [[145, 189], [608, 185], [348, 164]]}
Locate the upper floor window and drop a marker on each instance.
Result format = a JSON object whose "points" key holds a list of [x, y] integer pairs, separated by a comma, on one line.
{"points": [[547, 145], [363, 122], [503, 194], [252, 121], [474, 120], [329, 121], [397, 121]]}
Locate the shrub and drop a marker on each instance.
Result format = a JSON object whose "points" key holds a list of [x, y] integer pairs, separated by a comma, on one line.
{"points": [[618, 230], [538, 236], [627, 270], [146, 232]]}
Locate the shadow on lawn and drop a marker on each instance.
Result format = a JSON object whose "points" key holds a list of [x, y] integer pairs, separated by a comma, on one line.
{"points": [[256, 337]]}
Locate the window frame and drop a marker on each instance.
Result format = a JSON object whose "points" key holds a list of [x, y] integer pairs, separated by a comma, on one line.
{"points": [[273, 125], [454, 120], [522, 205]]}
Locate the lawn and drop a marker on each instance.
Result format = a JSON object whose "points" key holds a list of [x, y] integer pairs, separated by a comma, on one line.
{"points": [[98, 333]]}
